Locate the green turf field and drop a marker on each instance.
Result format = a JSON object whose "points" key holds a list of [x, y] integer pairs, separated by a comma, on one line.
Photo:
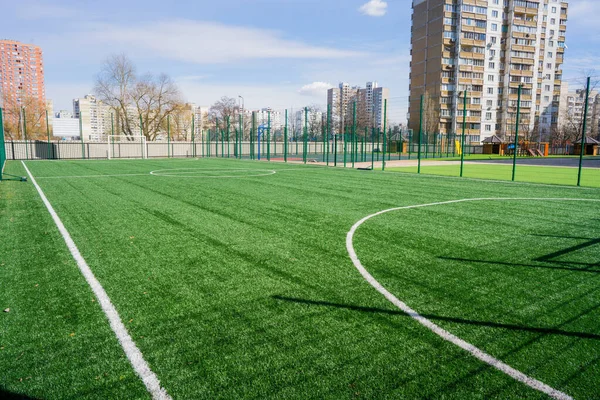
{"points": [[525, 173], [234, 280]]}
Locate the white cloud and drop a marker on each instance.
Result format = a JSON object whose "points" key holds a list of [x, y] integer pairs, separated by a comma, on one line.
{"points": [[315, 89], [374, 8], [204, 42]]}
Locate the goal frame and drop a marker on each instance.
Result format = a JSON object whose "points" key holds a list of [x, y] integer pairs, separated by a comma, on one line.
{"points": [[126, 139]]}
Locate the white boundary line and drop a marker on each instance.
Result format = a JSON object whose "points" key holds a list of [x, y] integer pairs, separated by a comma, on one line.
{"points": [[134, 355], [89, 176], [474, 351]]}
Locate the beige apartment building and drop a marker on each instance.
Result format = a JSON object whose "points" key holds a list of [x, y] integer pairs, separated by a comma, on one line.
{"points": [[370, 103], [489, 48], [94, 115]]}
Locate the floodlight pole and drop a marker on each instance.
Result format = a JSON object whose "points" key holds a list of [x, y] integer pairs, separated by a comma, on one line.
{"points": [[582, 150], [420, 136], [285, 139], [514, 170], [48, 132], [327, 130], [352, 155], [169, 136], [305, 132], [384, 132], [464, 127], [81, 135], [193, 133], [25, 133]]}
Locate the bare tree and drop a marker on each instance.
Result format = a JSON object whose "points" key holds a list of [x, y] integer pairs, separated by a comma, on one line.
{"points": [[147, 100], [431, 115], [24, 119], [182, 122], [314, 121]]}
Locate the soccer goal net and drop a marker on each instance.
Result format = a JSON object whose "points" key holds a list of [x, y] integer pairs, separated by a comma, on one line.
{"points": [[125, 146]]}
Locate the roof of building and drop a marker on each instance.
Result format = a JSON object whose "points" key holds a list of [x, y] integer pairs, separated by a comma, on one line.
{"points": [[591, 140], [492, 139]]}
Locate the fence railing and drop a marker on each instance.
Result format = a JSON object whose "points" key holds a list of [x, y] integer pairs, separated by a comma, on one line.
{"points": [[317, 150]]}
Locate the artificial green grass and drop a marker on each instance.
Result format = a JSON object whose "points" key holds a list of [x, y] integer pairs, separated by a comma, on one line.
{"points": [[55, 342], [549, 175], [243, 287]]}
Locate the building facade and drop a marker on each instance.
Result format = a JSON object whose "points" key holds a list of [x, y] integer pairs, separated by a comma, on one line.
{"points": [[572, 108], [95, 117], [21, 77], [369, 105], [488, 48]]}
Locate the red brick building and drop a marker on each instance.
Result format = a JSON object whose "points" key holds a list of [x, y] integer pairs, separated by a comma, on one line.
{"points": [[21, 76]]}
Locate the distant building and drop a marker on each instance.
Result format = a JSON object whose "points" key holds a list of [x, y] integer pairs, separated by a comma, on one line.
{"points": [[572, 107], [489, 49], [95, 117], [314, 119], [21, 76], [63, 114], [369, 105]]}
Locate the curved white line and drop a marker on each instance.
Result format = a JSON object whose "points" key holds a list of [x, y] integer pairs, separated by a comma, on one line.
{"points": [[135, 356], [476, 352]]}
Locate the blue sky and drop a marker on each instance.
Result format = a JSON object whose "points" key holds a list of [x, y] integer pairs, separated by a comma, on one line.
{"points": [[278, 53]]}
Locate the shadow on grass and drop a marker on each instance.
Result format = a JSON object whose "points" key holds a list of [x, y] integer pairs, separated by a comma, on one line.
{"points": [[546, 331], [4, 395], [558, 264]]}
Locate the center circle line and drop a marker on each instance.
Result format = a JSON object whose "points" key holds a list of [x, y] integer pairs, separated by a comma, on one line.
{"points": [[444, 334]]}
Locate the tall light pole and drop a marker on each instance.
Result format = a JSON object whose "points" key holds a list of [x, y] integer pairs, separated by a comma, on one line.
{"points": [[239, 151]]}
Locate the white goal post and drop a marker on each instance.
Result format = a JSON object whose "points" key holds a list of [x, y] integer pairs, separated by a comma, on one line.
{"points": [[126, 146]]}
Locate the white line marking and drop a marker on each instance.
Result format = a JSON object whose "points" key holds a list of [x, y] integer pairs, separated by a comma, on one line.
{"points": [[133, 353], [89, 176], [476, 352]]}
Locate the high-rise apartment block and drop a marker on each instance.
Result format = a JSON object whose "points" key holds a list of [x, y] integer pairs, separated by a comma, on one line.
{"points": [[21, 75], [94, 115], [369, 105], [572, 111], [488, 48]]}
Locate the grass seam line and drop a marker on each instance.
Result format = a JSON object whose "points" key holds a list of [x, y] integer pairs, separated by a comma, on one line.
{"points": [[444, 334], [134, 354]]}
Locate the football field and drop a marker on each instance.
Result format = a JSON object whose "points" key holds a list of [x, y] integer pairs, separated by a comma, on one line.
{"points": [[215, 278]]}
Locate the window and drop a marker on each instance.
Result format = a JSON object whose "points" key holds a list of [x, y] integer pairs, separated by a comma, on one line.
{"points": [[492, 65], [490, 78], [495, 14], [488, 115], [488, 128], [494, 27], [490, 90]]}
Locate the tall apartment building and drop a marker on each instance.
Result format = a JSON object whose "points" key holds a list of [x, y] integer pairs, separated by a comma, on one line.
{"points": [[21, 76], [489, 48], [94, 115], [369, 102], [572, 107], [314, 119]]}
